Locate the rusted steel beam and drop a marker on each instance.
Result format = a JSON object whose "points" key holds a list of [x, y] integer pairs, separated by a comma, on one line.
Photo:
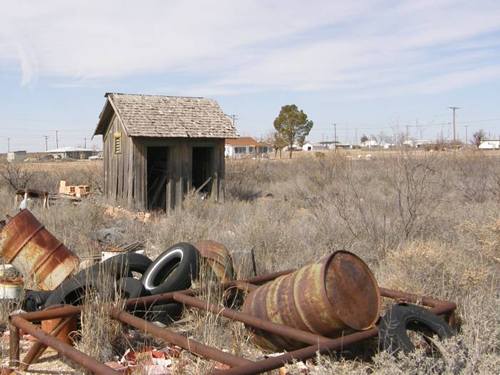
{"points": [[438, 306], [243, 286], [278, 329], [265, 278], [157, 298], [13, 345], [300, 354], [179, 340], [57, 312], [38, 347], [62, 348]]}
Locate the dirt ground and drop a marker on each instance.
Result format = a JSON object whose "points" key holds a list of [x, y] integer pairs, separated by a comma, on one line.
{"points": [[425, 222]]}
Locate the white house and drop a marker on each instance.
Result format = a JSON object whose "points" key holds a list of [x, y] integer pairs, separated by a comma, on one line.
{"points": [[245, 147], [72, 153], [490, 144], [369, 143], [307, 146], [16, 156]]}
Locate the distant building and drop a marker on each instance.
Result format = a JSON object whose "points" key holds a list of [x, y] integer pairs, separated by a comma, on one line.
{"points": [[369, 143], [417, 143], [490, 144], [72, 153], [307, 147], [16, 156], [245, 147]]}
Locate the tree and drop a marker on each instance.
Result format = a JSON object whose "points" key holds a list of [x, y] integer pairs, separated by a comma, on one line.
{"points": [[364, 138], [277, 142], [292, 125], [478, 137]]}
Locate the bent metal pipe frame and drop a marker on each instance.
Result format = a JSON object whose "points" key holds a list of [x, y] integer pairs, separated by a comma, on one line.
{"points": [[238, 365]]}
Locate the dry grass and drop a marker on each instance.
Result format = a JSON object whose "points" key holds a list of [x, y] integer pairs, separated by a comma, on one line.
{"points": [[424, 222]]}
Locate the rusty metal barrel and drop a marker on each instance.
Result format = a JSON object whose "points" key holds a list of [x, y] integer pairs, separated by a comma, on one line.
{"points": [[337, 293], [218, 259], [43, 260], [69, 326]]}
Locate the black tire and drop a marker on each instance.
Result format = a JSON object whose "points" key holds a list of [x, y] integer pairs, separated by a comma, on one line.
{"points": [[130, 287], [34, 300], [119, 266], [165, 314], [172, 270], [393, 335], [70, 292]]}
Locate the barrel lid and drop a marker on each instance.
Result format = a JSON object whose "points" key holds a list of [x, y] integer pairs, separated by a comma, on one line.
{"points": [[352, 290]]}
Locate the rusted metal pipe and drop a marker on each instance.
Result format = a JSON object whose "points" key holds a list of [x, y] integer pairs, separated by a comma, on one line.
{"points": [[267, 277], [57, 312], [38, 347], [13, 345], [63, 349], [272, 363], [145, 302], [333, 344], [439, 306], [278, 329], [335, 294], [179, 340]]}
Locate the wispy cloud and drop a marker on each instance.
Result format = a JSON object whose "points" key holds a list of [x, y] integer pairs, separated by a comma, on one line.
{"points": [[357, 48]]}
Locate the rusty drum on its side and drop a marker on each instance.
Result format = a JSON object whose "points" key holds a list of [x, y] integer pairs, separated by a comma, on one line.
{"points": [[338, 293], [66, 331], [42, 259], [218, 259]]}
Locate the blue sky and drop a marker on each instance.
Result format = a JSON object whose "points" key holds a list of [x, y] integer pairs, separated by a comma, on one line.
{"points": [[368, 66]]}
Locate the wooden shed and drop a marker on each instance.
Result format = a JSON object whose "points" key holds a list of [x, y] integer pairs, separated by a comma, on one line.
{"points": [[158, 148]]}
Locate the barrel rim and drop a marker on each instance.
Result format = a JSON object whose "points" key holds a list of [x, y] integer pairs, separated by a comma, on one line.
{"points": [[325, 266]]}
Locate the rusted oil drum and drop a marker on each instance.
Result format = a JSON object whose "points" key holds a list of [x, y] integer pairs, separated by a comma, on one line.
{"points": [[218, 259], [66, 331], [338, 293], [42, 259]]}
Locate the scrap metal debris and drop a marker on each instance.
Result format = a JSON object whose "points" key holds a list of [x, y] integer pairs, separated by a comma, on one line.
{"points": [[322, 307]]}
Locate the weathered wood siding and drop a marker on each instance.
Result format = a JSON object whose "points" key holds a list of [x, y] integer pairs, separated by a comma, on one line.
{"points": [[118, 168]]}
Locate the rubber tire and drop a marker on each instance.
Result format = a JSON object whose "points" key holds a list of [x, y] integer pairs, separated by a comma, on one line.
{"points": [[70, 292], [34, 300], [130, 287], [119, 266], [172, 270], [393, 327], [165, 314]]}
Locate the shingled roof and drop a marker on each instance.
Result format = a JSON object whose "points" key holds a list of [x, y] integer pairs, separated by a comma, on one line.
{"points": [[166, 116]]}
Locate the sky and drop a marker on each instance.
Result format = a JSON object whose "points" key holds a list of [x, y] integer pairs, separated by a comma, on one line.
{"points": [[370, 67]]}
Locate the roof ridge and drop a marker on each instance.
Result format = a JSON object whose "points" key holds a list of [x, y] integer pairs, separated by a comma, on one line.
{"points": [[158, 95]]}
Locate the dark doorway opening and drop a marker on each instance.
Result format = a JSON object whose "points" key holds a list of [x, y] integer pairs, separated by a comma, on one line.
{"points": [[203, 168], [157, 160]]}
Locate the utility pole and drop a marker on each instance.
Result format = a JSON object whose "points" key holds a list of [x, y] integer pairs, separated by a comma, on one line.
{"points": [[57, 140], [407, 132], [335, 137], [356, 136], [466, 126], [85, 142], [454, 109], [8, 144], [46, 142], [234, 118]]}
